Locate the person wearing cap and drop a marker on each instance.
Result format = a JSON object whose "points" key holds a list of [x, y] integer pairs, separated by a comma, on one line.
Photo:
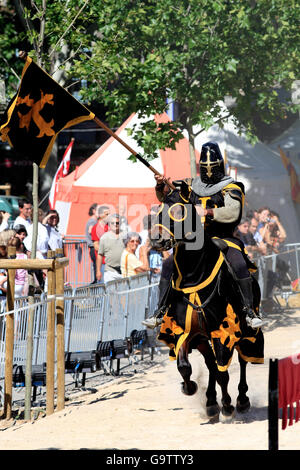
{"points": [[219, 200]]}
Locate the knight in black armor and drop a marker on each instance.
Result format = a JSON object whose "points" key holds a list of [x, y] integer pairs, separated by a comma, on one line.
{"points": [[220, 200]]}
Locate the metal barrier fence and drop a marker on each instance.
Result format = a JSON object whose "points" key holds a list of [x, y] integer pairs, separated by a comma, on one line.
{"points": [[80, 270], [276, 269], [105, 312], [276, 272], [99, 312]]}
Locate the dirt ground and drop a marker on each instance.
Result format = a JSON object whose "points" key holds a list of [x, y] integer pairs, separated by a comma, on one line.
{"points": [[147, 410]]}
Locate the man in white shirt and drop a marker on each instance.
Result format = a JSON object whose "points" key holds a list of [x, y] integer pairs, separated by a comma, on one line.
{"points": [[42, 242], [111, 246], [23, 218]]}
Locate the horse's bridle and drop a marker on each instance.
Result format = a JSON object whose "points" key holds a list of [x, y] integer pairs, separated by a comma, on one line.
{"points": [[166, 244], [171, 242]]}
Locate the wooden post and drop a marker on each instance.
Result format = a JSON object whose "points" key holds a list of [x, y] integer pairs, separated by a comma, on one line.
{"points": [[30, 323], [273, 404], [9, 338], [7, 188], [60, 334], [50, 341]]}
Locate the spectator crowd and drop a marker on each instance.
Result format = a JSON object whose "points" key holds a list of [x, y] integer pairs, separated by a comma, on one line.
{"points": [[262, 232], [19, 235], [115, 250]]}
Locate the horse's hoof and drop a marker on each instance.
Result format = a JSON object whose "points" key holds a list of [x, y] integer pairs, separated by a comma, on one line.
{"points": [[189, 388], [213, 411], [243, 407], [227, 413]]}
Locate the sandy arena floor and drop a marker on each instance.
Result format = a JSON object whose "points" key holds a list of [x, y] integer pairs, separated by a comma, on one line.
{"points": [[147, 410]]}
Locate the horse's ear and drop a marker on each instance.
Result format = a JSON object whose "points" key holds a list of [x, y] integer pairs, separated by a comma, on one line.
{"points": [[185, 190]]}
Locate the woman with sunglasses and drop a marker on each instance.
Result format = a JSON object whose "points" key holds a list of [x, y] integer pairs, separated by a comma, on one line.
{"points": [[130, 264]]}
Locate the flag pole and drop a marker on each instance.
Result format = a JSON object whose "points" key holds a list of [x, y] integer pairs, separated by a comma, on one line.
{"points": [[137, 156], [23, 55], [29, 355]]}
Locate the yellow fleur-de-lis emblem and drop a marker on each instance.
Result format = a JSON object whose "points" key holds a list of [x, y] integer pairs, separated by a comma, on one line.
{"points": [[44, 127]]}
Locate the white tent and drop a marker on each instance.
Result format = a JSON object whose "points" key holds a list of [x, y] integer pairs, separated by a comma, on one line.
{"points": [[289, 142], [261, 170], [108, 177]]}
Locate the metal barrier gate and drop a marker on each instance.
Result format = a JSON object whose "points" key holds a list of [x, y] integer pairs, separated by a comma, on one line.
{"points": [[105, 312], [80, 270], [99, 312], [277, 271]]}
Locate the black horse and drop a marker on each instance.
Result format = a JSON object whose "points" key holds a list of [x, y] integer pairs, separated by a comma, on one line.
{"points": [[203, 304]]}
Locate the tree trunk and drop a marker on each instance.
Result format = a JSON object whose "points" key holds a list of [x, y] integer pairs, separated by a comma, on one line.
{"points": [[193, 164]]}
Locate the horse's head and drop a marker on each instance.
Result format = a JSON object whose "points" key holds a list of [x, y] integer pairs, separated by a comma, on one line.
{"points": [[177, 221]]}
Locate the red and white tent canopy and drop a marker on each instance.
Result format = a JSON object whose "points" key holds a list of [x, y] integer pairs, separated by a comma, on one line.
{"points": [[109, 178]]}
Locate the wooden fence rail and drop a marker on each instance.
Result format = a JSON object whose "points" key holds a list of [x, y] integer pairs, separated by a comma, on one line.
{"points": [[54, 264]]}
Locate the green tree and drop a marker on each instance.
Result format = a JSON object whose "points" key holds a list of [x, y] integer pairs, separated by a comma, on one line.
{"points": [[194, 52], [137, 54], [52, 32]]}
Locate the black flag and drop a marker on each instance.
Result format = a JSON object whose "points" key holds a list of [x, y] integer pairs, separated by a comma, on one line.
{"points": [[37, 113]]}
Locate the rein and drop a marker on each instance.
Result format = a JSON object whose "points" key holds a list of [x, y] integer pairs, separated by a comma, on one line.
{"points": [[204, 304]]}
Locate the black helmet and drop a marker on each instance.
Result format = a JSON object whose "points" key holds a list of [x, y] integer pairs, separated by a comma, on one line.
{"points": [[212, 168]]}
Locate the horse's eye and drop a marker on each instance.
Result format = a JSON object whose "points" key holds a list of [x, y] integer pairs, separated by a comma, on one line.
{"points": [[177, 212]]}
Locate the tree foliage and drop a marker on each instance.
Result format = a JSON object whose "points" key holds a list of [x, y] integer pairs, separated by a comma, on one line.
{"points": [[193, 52], [52, 32], [138, 54]]}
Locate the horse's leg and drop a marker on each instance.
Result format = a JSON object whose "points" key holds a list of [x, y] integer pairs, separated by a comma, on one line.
{"points": [[189, 387], [212, 407], [223, 379], [242, 402]]}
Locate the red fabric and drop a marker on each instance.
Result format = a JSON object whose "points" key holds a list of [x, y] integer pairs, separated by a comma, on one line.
{"points": [[100, 230], [289, 388], [96, 233], [61, 172]]}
